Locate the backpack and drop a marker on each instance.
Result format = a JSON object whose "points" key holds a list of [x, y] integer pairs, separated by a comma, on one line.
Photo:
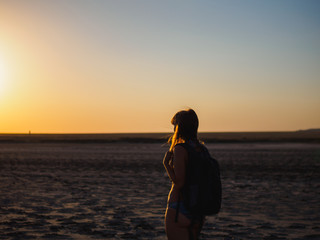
{"points": [[202, 189]]}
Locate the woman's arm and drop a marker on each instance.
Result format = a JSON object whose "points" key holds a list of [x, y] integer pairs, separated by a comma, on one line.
{"points": [[176, 172], [167, 163]]}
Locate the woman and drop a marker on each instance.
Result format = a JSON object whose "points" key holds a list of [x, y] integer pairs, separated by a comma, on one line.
{"points": [[181, 224]]}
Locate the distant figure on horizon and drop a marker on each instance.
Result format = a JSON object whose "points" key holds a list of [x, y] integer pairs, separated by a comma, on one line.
{"points": [[179, 222]]}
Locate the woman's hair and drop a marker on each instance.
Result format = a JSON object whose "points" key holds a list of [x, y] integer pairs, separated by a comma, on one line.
{"points": [[185, 127]]}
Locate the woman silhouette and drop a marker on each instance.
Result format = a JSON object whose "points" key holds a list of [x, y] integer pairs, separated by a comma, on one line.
{"points": [[179, 222]]}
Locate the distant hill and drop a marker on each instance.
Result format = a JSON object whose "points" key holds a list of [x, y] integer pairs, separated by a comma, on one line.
{"points": [[310, 130]]}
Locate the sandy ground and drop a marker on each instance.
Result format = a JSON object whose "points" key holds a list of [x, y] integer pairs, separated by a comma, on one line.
{"points": [[119, 191]]}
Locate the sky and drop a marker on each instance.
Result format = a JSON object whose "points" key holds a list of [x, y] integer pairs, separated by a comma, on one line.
{"points": [[82, 66]]}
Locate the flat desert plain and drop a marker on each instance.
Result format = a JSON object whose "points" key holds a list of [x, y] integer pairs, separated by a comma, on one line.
{"points": [[118, 190]]}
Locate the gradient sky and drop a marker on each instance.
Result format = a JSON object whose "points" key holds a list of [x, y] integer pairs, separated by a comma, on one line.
{"points": [[128, 66]]}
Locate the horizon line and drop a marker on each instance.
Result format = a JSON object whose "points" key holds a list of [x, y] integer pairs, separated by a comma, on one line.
{"points": [[101, 133]]}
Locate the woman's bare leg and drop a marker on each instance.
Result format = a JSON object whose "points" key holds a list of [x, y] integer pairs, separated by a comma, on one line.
{"points": [[196, 229], [176, 230]]}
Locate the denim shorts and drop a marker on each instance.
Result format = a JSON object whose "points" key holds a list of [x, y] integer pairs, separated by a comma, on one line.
{"points": [[182, 209], [185, 212]]}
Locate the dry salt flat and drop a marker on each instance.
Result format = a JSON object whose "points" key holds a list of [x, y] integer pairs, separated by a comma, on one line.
{"points": [[119, 191]]}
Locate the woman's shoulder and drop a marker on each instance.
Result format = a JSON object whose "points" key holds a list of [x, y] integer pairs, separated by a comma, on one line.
{"points": [[183, 145], [180, 149], [197, 146], [180, 153]]}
